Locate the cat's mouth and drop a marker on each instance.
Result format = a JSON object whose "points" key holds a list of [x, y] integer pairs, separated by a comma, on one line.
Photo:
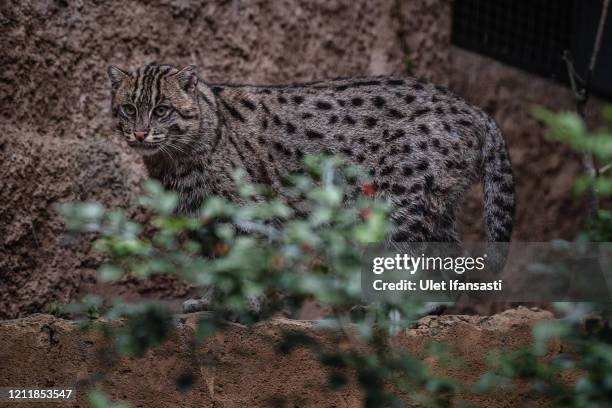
{"points": [[146, 148]]}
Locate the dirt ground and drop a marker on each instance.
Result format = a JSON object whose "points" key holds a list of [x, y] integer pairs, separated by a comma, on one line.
{"points": [[241, 367], [56, 146]]}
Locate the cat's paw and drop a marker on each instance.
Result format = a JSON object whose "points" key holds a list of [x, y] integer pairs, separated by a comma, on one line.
{"points": [[195, 305]]}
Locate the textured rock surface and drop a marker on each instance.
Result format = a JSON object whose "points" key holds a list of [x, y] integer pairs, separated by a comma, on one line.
{"points": [[37, 263], [544, 171], [54, 69], [239, 368], [55, 144]]}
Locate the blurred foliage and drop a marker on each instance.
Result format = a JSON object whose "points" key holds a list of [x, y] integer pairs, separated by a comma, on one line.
{"points": [[408, 65], [570, 360], [269, 248], [570, 129], [98, 399]]}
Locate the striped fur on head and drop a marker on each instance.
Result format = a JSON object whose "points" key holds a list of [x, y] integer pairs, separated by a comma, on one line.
{"points": [[155, 107]]}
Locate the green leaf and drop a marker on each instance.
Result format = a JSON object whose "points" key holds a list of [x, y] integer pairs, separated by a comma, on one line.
{"points": [[544, 331], [98, 399], [83, 217], [163, 202], [109, 273], [205, 328], [607, 114]]}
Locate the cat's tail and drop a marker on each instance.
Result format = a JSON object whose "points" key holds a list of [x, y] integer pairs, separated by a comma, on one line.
{"points": [[498, 186]]}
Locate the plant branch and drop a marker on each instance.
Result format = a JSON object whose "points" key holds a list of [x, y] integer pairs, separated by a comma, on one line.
{"points": [[581, 89]]}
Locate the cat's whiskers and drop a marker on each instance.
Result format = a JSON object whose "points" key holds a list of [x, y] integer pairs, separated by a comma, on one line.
{"points": [[164, 150], [177, 147]]}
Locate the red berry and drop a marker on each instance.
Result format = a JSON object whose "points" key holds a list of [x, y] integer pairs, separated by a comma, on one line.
{"points": [[368, 189], [307, 248], [220, 248], [365, 213]]}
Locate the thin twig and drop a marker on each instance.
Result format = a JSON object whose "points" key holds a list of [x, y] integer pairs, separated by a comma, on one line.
{"points": [[573, 75], [605, 168], [600, 29], [581, 95]]}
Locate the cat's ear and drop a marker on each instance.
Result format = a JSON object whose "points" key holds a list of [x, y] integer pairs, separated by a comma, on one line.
{"points": [[187, 78], [116, 75]]}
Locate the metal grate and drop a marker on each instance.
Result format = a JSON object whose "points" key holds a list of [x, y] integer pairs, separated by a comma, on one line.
{"points": [[529, 34]]}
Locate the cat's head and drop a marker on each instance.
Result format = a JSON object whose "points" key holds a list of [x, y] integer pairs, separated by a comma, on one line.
{"points": [[155, 107]]}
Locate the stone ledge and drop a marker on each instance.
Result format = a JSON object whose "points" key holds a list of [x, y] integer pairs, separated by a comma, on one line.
{"points": [[238, 367]]}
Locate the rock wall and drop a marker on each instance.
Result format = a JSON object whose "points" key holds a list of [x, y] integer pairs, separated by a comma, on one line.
{"points": [[242, 367], [55, 142], [56, 146], [544, 171]]}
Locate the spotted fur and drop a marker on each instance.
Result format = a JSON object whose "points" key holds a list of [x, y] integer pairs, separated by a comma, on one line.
{"points": [[423, 145]]}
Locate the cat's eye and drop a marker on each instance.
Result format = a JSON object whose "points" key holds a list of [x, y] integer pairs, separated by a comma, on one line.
{"points": [[161, 110], [128, 109]]}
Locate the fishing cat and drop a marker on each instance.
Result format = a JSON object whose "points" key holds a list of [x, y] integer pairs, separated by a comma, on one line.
{"points": [[423, 145]]}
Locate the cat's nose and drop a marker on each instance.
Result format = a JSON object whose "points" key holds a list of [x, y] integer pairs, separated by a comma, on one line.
{"points": [[140, 136]]}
